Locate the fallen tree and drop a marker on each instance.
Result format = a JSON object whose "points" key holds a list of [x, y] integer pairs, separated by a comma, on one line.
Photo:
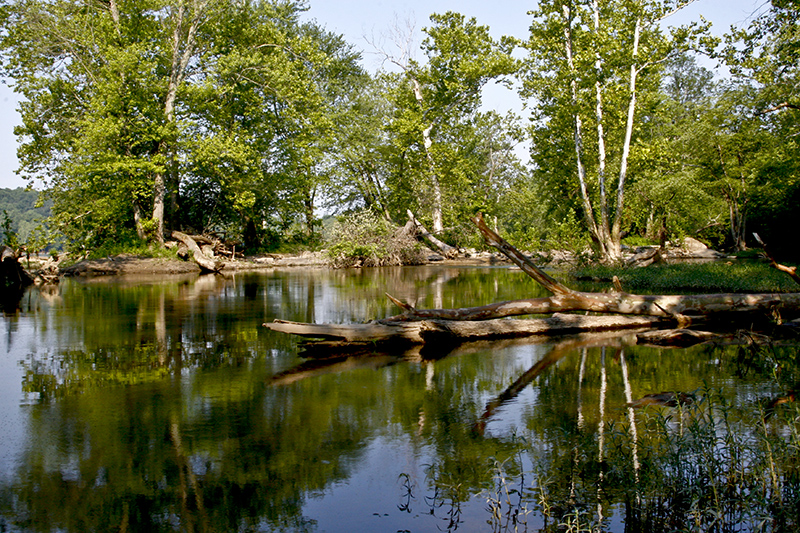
{"points": [[682, 308], [206, 263], [484, 322], [444, 248], [443, 331]]}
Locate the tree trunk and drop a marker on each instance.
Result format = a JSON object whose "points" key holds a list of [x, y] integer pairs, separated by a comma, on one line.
{"points": [[438, 224], [588, 211], [137, 219], [615, 238], [444, 330], [183, 48]]}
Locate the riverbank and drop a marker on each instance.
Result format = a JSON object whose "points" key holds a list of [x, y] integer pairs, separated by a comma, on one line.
{"points": [[125, 264]]}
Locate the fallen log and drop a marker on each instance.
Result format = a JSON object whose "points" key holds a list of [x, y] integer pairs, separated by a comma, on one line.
{"points": [[403, 333], [682, 338], [203, 261], [792, 271], [620, 310], [445, 249]]}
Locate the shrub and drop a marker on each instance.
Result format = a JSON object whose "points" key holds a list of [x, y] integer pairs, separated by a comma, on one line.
{"points": [[364, 239]]}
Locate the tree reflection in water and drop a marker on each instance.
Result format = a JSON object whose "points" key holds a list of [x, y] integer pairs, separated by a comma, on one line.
{"points": [[164, 405]]}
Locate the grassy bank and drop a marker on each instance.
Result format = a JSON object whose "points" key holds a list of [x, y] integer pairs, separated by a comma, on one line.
{"points": [[709, 277]]}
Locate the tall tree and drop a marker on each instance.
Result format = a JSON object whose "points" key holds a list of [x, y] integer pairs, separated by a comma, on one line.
{"points": [[438, 97], [209, 97], [590, 67], [764, 58]]}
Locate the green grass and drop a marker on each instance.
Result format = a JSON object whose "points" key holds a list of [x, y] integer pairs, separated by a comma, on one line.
{"points": [[141, 249], [734, 276]]}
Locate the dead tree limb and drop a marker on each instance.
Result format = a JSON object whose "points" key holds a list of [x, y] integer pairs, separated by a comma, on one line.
{"points": [[438, 330], [792, 271], [678, 307], [203, 261], [444, 248], [423, 326]]}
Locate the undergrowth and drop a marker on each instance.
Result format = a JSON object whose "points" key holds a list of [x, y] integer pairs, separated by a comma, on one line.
{"points": [[364, 239]]}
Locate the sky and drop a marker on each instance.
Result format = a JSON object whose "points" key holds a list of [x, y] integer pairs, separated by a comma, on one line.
{"points": [[363, 22]]}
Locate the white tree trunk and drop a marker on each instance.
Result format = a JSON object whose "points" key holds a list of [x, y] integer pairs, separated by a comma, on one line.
{"points": [[183, 48], [588, 212], [438, 225], [615, 240], [601, 138]]}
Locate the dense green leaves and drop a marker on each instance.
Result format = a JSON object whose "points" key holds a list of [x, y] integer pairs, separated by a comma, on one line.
{"points": [[240, 119]]}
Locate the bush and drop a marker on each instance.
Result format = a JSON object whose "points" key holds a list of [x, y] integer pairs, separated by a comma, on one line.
{"points": [[364, 239]]}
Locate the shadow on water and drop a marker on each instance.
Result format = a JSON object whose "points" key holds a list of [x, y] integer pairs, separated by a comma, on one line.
{"points": [[165, 406]]}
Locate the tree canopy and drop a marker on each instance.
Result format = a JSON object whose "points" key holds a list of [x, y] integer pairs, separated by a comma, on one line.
{"points": [[240, 118]]}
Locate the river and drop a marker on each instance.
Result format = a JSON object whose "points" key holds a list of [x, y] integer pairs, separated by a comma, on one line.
{"points": [[144, 404]]}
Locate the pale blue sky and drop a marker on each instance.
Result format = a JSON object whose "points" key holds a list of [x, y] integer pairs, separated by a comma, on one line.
{"points": [[362, 21]]}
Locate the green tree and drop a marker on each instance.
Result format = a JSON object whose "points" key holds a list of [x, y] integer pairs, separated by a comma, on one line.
{"points": [[590, 68], [670, 198], [217, 100], [764, 58], [434, 104]]}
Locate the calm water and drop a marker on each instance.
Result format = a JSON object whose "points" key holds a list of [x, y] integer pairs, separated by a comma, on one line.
{"points": [[164, 405]]}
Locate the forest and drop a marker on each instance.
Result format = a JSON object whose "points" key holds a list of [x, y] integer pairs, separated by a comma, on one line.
{"points": [[238, 119]]}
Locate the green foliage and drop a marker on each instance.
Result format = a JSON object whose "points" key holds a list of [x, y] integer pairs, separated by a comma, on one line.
{"points": [[9, 235], [26, 211], [222, 111], [132, 246], [270, 118], [364, 239], [590, 72]]}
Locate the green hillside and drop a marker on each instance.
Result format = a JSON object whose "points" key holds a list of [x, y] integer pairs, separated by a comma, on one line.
{"points": [[21, 207]]}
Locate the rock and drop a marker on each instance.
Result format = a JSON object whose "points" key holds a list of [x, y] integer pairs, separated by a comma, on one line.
{"points": [[646, 256], [693, 245]]}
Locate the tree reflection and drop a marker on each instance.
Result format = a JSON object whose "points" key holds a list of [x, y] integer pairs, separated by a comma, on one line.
{"points": [[166, 406]]}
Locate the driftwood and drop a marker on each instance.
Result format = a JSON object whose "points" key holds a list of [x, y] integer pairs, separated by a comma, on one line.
{"points": [[203, 261], [683, 308], [403, 333], [792, 271], [676, 337], [49, 272], [444, 248]]}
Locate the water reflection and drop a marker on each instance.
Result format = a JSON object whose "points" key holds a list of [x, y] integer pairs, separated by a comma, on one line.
{"points": [[163, 405]]}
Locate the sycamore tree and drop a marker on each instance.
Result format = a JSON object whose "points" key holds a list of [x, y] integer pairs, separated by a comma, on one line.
{"points": [[128, 105], [101, 82], [433, 103], [591, 66], [262, 125]]}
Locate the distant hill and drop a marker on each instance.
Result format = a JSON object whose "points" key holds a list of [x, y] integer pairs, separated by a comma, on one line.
{"points": [[20, 204]]}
